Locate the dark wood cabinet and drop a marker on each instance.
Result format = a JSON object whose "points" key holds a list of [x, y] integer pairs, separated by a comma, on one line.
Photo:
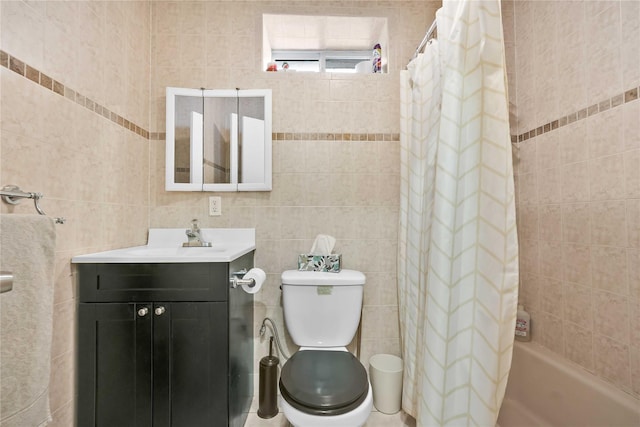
{"points": [[114, 347], [166, 349]]}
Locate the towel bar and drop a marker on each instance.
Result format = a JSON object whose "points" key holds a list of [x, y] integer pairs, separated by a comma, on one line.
{"points": [[12, 194], [6, 281]]}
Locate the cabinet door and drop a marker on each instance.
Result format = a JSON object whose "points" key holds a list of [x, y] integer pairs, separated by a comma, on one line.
{"points": [[190, 364], [114, 365]]}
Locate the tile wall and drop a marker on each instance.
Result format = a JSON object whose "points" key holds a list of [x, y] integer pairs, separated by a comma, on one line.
{"points": [[74, 116], [575, 71], [81, 124], [336, 149], [579, 188]]}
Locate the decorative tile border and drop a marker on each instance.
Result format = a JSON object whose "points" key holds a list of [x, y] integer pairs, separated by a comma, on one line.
{"points": [[314, 136], [38, 77], [17, 66], [615, 101], [318, 136]]}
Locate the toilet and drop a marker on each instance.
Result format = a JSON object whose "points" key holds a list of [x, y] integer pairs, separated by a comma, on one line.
{"points": [[323, 384]]}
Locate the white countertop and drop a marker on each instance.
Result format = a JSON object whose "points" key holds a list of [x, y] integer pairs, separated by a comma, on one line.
{"points": [[165, 246]]}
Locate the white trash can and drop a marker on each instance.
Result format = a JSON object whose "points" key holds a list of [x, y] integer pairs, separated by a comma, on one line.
{"points": [[385, 371]]}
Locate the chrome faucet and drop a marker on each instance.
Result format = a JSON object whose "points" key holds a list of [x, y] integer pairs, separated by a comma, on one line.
{"points": [[194, 236]]}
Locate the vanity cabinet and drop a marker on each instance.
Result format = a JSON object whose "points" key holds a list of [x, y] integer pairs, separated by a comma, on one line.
{"points": [[164, 345], [152, 364]]}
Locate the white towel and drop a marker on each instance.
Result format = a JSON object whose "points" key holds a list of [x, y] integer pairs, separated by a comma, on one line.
{"points": [[323, 245], [27, 246]]}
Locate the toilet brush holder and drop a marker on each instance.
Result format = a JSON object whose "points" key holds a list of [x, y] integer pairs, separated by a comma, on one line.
{"points": [[268, 385]]}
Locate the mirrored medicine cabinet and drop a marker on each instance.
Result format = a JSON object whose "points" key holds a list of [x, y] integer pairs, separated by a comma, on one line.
{"points": [[218, 140]]}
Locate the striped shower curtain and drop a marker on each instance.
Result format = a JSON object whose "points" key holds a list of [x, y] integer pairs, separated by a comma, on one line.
{"points": [[458, 253]]}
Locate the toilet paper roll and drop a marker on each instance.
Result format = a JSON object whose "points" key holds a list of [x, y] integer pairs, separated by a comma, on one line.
{"points": [[259, 276]]}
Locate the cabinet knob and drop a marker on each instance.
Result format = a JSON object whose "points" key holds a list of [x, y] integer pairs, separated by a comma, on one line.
{"points": [[143, 311], [160, 311]]}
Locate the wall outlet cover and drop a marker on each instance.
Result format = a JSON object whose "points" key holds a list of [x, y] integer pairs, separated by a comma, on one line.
{"points": [[215, 206]]}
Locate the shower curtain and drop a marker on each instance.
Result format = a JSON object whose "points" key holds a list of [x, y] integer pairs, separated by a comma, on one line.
{"points": [[458, 252]]}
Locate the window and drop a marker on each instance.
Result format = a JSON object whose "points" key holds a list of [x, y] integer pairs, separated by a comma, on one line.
{"points": [[338, 44], [337, 61]]}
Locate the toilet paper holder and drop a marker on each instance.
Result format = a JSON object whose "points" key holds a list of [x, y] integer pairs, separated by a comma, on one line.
{"points": [[236, 279], [6, 281]]}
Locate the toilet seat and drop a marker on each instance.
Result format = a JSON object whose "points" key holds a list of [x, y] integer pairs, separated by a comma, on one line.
{"points": [[321, 382]]}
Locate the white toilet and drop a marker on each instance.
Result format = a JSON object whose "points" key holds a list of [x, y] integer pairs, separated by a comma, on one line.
{"points": [[323, 384]]}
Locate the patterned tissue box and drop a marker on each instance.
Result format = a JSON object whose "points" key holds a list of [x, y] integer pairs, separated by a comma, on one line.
{"points": [[330, 263]]}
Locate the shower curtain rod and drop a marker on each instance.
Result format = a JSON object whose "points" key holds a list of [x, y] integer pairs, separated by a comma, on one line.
{"points": [[432, 29]]}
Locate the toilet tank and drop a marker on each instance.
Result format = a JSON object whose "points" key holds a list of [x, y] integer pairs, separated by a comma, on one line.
{"points": [[322, 309]]}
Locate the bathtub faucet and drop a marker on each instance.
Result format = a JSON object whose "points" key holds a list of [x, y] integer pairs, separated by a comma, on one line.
{"points": [[194, 236]]}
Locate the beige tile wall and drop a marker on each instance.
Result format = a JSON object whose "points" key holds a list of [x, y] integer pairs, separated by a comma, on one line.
{"points": [[579, 208], [93, 171], [577, 64], [346, 188], [105, 177]]}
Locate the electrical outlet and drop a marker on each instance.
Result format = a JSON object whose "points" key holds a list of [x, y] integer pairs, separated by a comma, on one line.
{"points": [[215, 206]]}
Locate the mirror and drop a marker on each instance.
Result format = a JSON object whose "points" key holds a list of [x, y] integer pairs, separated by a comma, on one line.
{"points": [[218, 140]]}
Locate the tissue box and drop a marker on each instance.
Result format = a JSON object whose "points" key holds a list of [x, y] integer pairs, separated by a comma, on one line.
{"points": [[330, 263]]}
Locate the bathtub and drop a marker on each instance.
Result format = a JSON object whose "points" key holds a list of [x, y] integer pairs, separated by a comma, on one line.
{"points": [[545, 390]]}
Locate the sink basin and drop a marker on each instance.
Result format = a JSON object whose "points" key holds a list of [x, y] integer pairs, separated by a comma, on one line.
{"points": [[165, 246], [179, 251]]}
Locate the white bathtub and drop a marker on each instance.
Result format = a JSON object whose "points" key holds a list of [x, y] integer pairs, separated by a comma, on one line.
{"points": [[545, 390]]}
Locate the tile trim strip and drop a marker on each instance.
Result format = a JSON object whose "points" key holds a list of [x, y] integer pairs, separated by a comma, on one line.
{"points": [[346, 137], [629, 95], [315, 136], [25, 70]]}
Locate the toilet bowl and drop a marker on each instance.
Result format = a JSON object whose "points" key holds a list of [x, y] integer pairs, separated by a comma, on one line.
{"points": [[355, 418], [325, 388], [323, 384]]}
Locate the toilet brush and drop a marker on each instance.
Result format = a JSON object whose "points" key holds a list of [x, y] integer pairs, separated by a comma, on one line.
{"points": [[268, 386]]}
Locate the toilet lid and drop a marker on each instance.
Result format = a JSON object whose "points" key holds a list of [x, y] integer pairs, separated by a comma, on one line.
{"points": [[321, 382]]}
